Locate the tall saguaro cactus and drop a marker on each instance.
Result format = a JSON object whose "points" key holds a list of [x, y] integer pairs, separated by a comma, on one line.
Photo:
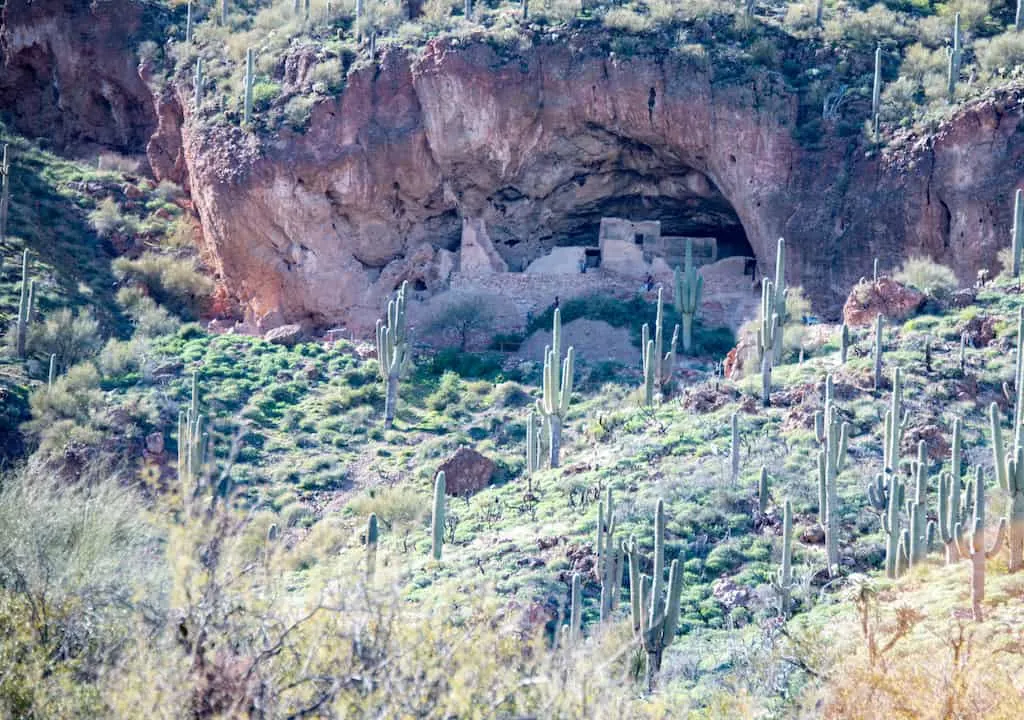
{"points": [[393, 351], [657, 367], [654, 617], [773, 319], [1010, 476], [609, 556], [921, 530], [437, 516], [973, 548], [734, 447], [197, 83], [783, 582], [951, 518], [1017, 244], [557, 389], [896, 421], [689, 285], [5, 192], [832, 434], [372, 535], [876, 92], [955, 58], [844, 343], [877, 355], [191, 447], [576, 610], [886, 495], [250, 72], [24, 307]]}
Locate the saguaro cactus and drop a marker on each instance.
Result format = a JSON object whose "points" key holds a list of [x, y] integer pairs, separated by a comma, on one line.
{"points": [[5, 192], [886, 496], [921, 530], [773, 319], [1017, 244], [955, 57], [52, 374], [844, 343], [24, 307], [832, 434], [974, 548], [393, 351], [609, 556], [876, 92], [188, 22], [191, 447], [534, 446], [657, 367], [734, 448], [437, 516], [689, 285], [783, 582], [223, 12], [878, 351], [1010, 475], [950, 508], [576, 610], [896, 421], [557, 390], [762, 491], [654, 617], [250, 72], [197, 83], [371, 547]]}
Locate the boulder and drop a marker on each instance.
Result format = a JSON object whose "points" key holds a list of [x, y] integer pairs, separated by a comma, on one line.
{"points": [[886, 297], [286, 335], [466, 472]]}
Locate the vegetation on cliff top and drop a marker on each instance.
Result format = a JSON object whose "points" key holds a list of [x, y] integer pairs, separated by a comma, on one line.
{"points": [[304, 55]]}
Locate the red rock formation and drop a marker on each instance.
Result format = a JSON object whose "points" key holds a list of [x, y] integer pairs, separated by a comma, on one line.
{"points": [[302, 226], [886, 297], [69, 71]]}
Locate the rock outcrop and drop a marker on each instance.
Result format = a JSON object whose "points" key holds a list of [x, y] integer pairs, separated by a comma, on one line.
{"points": [[69, 71], [524, 145]]}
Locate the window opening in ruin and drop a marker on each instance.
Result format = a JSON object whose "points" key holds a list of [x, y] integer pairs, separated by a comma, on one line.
{"points": [[419, 286], [592, 257], [638, 238]]}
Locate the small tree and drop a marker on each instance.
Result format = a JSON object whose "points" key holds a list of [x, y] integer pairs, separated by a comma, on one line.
{"points": [[461, 317]]}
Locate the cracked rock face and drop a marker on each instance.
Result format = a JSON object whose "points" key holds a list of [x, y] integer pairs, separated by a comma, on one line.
{"points": [[68, 72], [320, 227]]}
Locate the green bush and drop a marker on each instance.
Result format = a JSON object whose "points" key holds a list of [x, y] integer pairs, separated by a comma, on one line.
{"points": [[71, 337], [171, 281], [108, 220], [1001, 54], [931, 278]]}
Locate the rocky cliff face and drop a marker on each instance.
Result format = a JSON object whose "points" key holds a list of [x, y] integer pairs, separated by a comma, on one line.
{"points": [[539, 143], [69, 72], [528, 148]]}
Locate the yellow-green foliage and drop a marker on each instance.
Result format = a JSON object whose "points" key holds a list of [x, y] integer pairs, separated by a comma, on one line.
{"points": [[72, 337], [928, 276], [171, 281]]}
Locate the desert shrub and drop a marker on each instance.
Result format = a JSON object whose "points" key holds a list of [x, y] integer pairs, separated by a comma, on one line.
{"points": [[328, 73], [800, 15], [931, 278], [398, 506], [71, 337], [867, 28], [74, 563], [447, 392], [899, 100], [108, 220], [118, 163], [168, 191], [150, 320], [468, 365], [123, 357], [626, 20], [264, 93], [1001, 53], [74, 396], [171, 281], [298, 110]]}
